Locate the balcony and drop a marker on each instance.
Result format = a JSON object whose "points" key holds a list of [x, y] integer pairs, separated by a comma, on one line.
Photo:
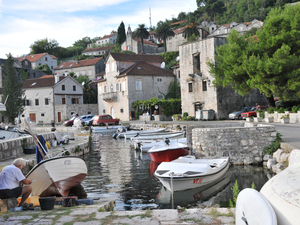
{"points": [[110, 96]]}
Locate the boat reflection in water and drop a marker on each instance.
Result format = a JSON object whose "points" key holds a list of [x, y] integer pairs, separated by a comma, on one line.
{"points": [[167, 200]]}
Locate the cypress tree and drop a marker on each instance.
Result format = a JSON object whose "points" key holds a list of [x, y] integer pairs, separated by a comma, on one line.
{"points": [[121, 34], [12, 87]]}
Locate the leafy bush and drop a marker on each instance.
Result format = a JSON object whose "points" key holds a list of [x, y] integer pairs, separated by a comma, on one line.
{"points": [[261, 113], [282, 110], [185, 114], [235, 191], [271, 110], [176, 116], [295, 108], [190, 118], [274, 146]]}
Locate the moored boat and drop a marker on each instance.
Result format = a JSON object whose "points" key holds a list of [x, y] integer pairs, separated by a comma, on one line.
{"points": [[136, 133], [188, 172], [56, 176], [107, 129], [145, 147], [168, 152]]}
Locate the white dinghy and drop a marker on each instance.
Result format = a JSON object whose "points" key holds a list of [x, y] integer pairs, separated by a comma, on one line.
{"points": [[188, 172], [138, 133], [158, 136]]}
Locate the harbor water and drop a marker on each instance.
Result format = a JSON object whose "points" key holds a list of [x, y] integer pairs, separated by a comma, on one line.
{"points": [[117, 171]]}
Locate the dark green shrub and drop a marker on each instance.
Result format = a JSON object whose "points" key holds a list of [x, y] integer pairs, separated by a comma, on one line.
{"points": [[295, 109], [185, 114], [190, 118], [271, 110], [274, 146]]}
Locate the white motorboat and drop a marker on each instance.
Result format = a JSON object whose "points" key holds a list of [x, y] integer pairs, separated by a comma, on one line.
{"points": [[253, 208], [107, 129], [188, 172], [145, 146], [56, 176], [158, 136], [282, 192], [134, 133]]}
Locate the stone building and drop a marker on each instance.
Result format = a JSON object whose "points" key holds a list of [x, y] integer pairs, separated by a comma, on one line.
{"points": [[135, 45], [54, 98], [129, 78], [97, 51], [88, 67], [107, 39], [197, 91], [41, 59]]}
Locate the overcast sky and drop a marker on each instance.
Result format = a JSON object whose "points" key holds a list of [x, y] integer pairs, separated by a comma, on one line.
{"points": [[24, 21]]}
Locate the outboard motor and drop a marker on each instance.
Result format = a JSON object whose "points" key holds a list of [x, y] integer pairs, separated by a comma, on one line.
{"points": [[115, 135], [167, 141]]}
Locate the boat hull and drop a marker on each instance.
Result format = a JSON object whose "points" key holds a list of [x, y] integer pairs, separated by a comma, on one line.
{"points": [[188, 179], [168, 155], [56, 176]]}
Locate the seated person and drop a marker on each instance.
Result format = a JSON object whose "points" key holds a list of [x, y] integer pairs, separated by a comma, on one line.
{"points": [[10, 178], [61, 140]]}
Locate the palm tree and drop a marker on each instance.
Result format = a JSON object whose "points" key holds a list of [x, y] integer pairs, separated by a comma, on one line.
{"points": [[142, 33], [163, 32], [191, 29]]}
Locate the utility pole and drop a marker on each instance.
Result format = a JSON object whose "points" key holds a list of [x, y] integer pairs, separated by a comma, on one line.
{"points": [[150, 18]]}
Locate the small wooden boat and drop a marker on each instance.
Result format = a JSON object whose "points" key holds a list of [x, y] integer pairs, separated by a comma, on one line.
{"points": [[282, 192], [138, 133], [188, 172], [145, 147], [56, 176], [158, 136], [253, 208], [168, 152]]}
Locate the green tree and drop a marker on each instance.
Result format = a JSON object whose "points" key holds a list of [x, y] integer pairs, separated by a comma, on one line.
{"points": [[90, 91], [12, 87], [83, 42], [141, 33], [173, 90], [23, 74], [191, 28], [269, 63], [211, 8], [121, 34], [45, 68], [43, 45], [163, 31]]}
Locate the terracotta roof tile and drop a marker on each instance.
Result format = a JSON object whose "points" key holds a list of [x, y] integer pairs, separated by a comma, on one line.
{"points": [[97, 49], [143, 68], [36, 57], [87, 62], [107, 36], [137, 58], [46, 76], [145, 42], [179, 30], [179, 22]]}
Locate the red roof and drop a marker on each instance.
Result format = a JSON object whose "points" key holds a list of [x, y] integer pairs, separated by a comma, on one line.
{"points": [[143, 68], [46, 76], [107, 36], [179, 22], [97, 49], [87, 62], [36, 57], [179, 30], [145, 42]]}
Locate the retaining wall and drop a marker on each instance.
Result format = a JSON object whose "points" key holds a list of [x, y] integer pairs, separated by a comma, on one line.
{"points": [[244, 145]]}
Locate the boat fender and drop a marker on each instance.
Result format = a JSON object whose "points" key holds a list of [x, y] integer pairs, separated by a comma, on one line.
{"points": [[115, 135]]}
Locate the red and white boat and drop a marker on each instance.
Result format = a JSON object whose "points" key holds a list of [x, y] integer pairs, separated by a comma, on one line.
{"points": [[188, 172], [56, 176], [168, 152]]}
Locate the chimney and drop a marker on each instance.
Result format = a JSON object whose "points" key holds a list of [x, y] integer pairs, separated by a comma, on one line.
{"points": [[77, 61], [56, 78]]}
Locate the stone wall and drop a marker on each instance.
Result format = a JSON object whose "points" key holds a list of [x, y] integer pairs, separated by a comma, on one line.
{"points": [[244, 145], [12, 148]]}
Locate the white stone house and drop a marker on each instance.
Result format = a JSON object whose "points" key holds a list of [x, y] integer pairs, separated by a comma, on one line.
{"points": [[97, 51], [129, 78], [52, 98], [174, 42], [197, 90], [135, 45], [88, 67], [107, 39], [41, 59]]}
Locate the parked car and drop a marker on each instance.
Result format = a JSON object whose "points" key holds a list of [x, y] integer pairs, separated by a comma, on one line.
{"points": [[101, 120], [86, 118], [70, 122], [237, 114], [252, 112], [89, 122]]}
